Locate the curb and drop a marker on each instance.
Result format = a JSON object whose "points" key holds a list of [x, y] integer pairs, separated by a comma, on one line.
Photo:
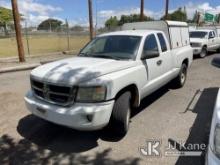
{"points": [[19, 68], [5, 59]]}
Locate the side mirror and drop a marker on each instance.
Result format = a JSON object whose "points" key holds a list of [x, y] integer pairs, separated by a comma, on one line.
{"points": [[150, 54], [216, 62]]}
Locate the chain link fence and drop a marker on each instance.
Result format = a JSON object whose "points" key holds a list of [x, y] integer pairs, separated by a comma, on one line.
{"points": [[40, 42]]}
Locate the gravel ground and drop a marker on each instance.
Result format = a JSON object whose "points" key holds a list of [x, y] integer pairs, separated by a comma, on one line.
{"points": [[168, 115]]}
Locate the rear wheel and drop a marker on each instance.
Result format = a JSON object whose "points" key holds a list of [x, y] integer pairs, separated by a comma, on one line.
{"points": [[204, 52], [121, 113], [181, 78]]}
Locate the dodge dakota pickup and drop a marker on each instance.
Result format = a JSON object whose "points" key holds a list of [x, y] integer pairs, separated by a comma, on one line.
{"points": [[204, 40], [110, 76]]}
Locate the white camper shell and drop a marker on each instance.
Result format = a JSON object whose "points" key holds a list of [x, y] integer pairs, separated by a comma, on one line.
{"points": [[176, 32]]}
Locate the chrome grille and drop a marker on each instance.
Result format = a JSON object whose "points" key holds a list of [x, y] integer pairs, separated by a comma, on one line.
{"points": [[60, 95], [195, 44]]}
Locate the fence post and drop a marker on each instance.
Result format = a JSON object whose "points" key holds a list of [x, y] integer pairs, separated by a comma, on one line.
{"points": [[27, 39], [68, 35]]}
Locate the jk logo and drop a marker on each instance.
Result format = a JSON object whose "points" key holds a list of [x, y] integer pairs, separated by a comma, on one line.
{"points": [[152, 148]]}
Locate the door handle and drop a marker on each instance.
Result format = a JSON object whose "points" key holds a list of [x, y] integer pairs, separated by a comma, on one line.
{"points": [[159, 62]]}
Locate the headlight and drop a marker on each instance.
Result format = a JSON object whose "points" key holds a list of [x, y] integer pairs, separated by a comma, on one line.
{"points": [[91, 94], [217, 140]]}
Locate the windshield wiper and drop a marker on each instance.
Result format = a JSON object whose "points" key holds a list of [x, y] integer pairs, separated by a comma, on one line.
{"points": [[106, 56], [84, 54]]}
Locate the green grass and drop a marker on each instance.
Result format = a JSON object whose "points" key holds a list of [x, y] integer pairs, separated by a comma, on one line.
{"points": [[42, 45]]}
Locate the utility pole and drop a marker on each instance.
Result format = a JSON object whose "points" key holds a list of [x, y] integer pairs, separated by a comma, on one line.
{"points": [[90, 19], [198, 19], [17, 24], [142, 11], [166, 10]]}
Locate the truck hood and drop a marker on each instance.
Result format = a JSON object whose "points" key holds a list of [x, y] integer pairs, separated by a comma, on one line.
{"points": [[78, 69], [197, 40]]}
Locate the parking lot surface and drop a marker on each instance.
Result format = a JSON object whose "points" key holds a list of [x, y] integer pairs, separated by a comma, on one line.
{"points": [[170, 116]]}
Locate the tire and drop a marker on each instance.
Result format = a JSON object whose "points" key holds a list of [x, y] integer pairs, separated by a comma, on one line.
{"points": [[204, 52], [180, 80], [121, 112]]}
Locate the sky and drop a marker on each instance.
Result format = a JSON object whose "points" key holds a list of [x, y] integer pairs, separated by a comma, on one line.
{"points": [[76, 11]]}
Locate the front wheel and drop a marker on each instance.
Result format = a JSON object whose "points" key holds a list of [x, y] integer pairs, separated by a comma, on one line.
{"points": [[121, 113], [204, 52], [180, 80]]}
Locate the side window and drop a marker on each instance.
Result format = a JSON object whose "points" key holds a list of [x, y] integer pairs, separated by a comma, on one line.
{"points": [[211, 35], [162, 42], [151, 44]]}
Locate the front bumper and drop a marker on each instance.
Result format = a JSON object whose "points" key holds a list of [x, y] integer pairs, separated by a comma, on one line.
{"points": [[197, 50], [80, 116], [211, 159]]}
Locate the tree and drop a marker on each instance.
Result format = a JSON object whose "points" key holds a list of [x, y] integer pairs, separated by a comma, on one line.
{"points": [[133, 18], [50, 24], [194, 18], [77, 28], [114, 22], [177, 15], [6, 18]]}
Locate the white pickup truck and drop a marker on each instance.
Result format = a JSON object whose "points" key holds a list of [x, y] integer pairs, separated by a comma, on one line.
{"points": [[204, 40], [111, 74]]}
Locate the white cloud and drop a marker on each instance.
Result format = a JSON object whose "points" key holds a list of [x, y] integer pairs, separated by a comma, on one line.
{"points": [[191, 8], [103, 15], [118, 13], [33, 11]]}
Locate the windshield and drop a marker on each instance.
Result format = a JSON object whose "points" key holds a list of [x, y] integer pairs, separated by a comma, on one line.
{"points": [[198, 34], [114, 47]]}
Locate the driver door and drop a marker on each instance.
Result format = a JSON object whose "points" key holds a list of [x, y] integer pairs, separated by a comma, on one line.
{"points": [[211, 45], [153, 65]]}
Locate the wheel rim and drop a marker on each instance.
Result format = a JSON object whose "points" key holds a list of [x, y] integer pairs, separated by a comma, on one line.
{"points": [[203, 53], [128, 118], [183, 76]]}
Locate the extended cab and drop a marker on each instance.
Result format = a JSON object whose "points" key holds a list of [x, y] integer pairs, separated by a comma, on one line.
{"points": [[111, 74], [204, 40]]}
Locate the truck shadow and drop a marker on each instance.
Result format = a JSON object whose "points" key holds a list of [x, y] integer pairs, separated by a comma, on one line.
{"points": [[199, 132], [23, 152]]}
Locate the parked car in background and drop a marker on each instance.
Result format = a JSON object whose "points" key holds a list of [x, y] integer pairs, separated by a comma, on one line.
{"points": [[203, 41], [213, 151], [111, 75]]}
